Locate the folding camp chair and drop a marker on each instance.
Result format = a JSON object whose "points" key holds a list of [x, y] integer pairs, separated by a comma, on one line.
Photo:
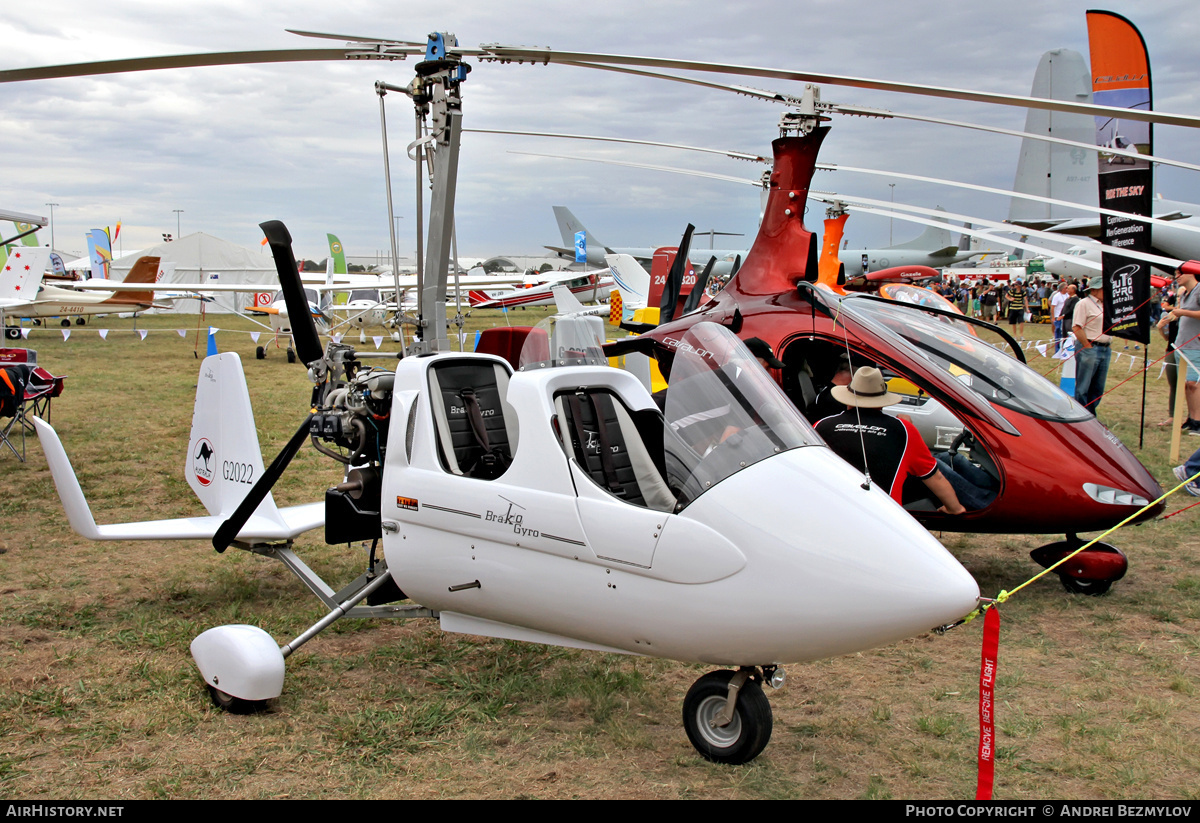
{"points": [[40, 390], [14, 380]]}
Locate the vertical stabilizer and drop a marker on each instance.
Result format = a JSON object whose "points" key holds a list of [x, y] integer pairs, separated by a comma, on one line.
{"points": [[932, 239], [568, 225], [337, 254], [21, 273], [1048, 169], [223, 458]]}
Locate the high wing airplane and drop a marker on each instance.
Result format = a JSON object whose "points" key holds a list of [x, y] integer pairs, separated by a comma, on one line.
{"points": [[33, 298]]}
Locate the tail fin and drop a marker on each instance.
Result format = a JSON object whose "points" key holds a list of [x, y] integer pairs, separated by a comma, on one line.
{"points": [[223, 458], [633, 284], [22, 273], [145, 270], [1049, 169], [932, 239], [223, 462], [568, 225], [337, 254]]}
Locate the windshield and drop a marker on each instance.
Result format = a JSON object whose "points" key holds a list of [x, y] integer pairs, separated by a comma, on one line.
{"points": [[723, 412], [985, 369], [571, 340], [365, 295]]}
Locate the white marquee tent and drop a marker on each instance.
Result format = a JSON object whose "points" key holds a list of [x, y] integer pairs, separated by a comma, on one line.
{"points": [[203, 259]]}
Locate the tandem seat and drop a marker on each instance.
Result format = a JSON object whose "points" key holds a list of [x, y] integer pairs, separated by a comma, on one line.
{"points": [[476, 428], [622, 451]]}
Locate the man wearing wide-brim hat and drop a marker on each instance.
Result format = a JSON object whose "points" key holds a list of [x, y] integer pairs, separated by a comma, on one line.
{"points": [[1094, 346], [892, 448]]}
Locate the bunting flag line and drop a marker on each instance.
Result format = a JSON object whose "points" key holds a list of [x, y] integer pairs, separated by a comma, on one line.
{"points": [[378, 341], [103, 334], [142, 333], [66, 334], [254, 335]]}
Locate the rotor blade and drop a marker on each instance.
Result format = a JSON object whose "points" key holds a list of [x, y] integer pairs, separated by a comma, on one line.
{"points": [[889, 209], [1036, 198], [736, 155], [545, 55], [1044, 138], [671, 289], [693, 299], [304, 330], [228, 530], [883, 114], [185, 61], [349, 38], [727, 178]]}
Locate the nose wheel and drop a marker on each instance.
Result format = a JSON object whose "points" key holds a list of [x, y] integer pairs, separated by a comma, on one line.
{"points": [[719, 735]]}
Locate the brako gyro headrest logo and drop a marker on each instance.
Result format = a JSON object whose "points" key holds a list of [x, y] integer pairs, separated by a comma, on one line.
{"points": [[202, 461]]}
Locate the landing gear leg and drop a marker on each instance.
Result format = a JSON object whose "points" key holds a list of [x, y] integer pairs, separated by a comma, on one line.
{"points": [[721, 735]]}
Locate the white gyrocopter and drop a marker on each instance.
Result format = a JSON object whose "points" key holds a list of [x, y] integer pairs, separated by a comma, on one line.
{"points": [[557, 504]]}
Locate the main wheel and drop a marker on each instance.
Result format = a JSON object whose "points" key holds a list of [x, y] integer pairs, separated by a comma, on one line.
{"points": [[291, 356], [234, 705], [12, 332], [66, 323], [260, 353], [1077, 585], [744, 737]]}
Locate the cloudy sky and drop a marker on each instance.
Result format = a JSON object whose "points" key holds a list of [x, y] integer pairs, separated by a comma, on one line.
{"points": [[234, 146]]}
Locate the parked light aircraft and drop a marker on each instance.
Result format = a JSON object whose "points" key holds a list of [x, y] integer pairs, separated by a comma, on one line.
{"points": [[744, 543], [592, 286], [33, 298]]}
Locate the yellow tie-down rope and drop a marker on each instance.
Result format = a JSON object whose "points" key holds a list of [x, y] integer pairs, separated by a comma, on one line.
{"points": [[1004, 594]]}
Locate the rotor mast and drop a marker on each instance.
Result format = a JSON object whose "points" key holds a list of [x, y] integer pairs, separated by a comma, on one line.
{"points": [[442, 74]]}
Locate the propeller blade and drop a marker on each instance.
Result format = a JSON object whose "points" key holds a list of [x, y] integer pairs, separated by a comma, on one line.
{"points": [[671, 289], [737, 264], [693, 299], [230, 528], [304, 330]]}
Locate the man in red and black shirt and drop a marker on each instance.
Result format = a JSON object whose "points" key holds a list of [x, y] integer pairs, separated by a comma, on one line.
{"points": [[892, 448]]}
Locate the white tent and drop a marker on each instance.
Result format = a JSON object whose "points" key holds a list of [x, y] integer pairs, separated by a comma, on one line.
{"points": [[203, 259]]}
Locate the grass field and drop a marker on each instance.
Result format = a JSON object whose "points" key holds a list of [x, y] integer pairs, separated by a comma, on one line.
{"points": [[99, 697]]}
